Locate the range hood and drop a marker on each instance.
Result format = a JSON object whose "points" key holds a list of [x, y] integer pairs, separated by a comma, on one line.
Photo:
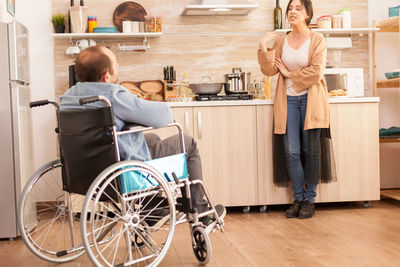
{"points": [[218, 7]]}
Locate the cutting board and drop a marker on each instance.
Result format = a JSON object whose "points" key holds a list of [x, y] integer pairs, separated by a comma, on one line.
{"points": [[130, 11]]}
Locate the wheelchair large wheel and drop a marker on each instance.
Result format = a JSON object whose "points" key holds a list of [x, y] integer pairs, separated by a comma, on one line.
{"points": [[143, 219], [48, 225]]}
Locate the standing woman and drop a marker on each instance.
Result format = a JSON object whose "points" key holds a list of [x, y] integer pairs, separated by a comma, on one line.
{"points": [[302, 144]]}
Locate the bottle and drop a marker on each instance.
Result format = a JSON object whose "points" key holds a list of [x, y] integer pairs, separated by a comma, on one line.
{"points": [[277, 16], [267, 87], [184, 90]]}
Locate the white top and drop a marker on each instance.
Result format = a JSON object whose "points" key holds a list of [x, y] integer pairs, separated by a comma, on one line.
{"points": [[293, 60]]}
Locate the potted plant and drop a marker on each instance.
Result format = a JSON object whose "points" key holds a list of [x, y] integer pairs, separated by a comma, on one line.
{"points": [[58, 21]]}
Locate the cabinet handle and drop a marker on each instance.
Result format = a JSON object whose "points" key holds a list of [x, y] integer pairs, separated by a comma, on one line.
{"points": [[199, 124], [187, 122]]}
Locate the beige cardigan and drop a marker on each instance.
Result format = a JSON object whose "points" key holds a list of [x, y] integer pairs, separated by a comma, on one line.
{"points": [[310, 77]]}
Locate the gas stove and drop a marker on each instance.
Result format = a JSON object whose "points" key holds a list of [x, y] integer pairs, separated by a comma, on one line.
{"points": [[223, 97]]}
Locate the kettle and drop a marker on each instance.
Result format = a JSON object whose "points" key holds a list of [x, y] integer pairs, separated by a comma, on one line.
{"points": [[239, 82]]}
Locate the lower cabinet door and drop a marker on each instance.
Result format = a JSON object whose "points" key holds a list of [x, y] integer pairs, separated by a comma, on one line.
{"points": [[226, 138]]}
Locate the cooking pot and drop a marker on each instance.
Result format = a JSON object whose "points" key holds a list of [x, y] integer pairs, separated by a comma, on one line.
{"points": [[239, 82], [206, 88]]}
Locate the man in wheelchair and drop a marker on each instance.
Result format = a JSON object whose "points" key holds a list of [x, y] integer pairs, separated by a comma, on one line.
{"points": [[97, 71]]}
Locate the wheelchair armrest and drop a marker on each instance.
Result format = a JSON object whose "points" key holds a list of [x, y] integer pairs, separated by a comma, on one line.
{"points": [[133, 126]]}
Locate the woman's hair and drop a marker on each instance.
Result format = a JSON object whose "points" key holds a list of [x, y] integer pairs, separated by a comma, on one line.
{"points": [[92, 63], [307, 5]]}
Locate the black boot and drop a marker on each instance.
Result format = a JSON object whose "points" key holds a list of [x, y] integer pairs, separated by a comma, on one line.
{"points": [[307, 210], [293, 211]]}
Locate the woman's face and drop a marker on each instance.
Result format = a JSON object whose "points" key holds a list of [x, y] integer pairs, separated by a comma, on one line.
{"points": [[297, 13]]}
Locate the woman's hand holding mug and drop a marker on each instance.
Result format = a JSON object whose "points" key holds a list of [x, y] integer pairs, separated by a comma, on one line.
{"points": [[269, 36]]}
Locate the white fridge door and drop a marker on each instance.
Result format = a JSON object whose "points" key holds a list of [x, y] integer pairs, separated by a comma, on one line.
{"points": [[23, 141], [18, 42]]}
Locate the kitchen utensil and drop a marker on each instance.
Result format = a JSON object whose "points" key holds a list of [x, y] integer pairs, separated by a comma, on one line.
{"points": [[126, 26], [346, 18], [128, 11], [324, 22], [78, 19], [392, 75], [83, 44], [239, 82], [153, 23], [336, 21], [206, 88], [135, 26], [105, 30], [72, 50]]}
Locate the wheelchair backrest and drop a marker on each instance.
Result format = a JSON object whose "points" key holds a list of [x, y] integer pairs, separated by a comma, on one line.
{"points": [[86, 146]]}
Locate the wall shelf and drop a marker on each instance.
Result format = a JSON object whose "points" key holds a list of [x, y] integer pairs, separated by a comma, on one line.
{"points": [[389, 25], [341, 30], [389, 140], [392, 83], [105, 35]]}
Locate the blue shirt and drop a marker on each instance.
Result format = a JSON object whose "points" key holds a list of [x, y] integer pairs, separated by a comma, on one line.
{"points": [[127, 108]]}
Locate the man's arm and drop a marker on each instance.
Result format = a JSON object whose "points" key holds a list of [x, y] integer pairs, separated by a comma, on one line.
{"points": [[129, 108]]}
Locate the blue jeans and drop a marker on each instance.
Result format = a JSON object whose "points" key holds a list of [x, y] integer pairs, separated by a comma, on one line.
{"points": [[297, 148]]}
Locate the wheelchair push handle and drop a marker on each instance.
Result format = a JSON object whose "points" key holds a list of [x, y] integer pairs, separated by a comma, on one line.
{"points": [[43, 102], [87, 100], [91, 99]]}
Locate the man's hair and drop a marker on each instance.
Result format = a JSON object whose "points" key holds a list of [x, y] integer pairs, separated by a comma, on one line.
{"points": [[309, 9], [92, 63]]}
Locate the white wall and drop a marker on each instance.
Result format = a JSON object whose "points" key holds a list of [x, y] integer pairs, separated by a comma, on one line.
{"points": [[388, 58], [36, 17]]}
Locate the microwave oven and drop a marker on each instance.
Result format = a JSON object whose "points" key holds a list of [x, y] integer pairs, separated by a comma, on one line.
{"points": [[351, 79]]}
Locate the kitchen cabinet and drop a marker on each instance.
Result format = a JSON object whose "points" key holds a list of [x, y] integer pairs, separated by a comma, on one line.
{"points": [[269, 194], [235, 144], [354, 130], [226, 139]]}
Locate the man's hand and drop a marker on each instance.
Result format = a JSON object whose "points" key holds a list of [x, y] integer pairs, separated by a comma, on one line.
{"points": [[282, 68]]}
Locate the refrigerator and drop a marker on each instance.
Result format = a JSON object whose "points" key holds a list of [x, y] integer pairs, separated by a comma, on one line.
{"points": [[16, 160]]}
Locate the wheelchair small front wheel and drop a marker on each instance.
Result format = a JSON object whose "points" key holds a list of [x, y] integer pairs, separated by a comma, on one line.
{"points": [[201, 245]]}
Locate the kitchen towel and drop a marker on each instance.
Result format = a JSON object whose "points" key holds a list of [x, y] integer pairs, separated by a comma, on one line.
{"points": [[389, 131]]}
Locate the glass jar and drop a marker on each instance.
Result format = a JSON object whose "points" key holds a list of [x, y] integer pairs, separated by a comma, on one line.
{"points": [[152, 23], [324, 22]]}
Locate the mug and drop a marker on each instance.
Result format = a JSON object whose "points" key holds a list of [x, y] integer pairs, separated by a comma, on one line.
{"points": [[72, 50], [92, 42], [126, 26], [135, 26], [83, 44]]}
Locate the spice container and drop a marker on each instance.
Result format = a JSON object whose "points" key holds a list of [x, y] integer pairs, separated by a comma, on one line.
{"points": [[153, 23], [346, 18], [92, 23], [324, 22], [336, 21]]}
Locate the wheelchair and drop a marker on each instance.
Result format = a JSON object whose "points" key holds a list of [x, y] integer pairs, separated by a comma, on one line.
{"points": [[120, 213]]}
